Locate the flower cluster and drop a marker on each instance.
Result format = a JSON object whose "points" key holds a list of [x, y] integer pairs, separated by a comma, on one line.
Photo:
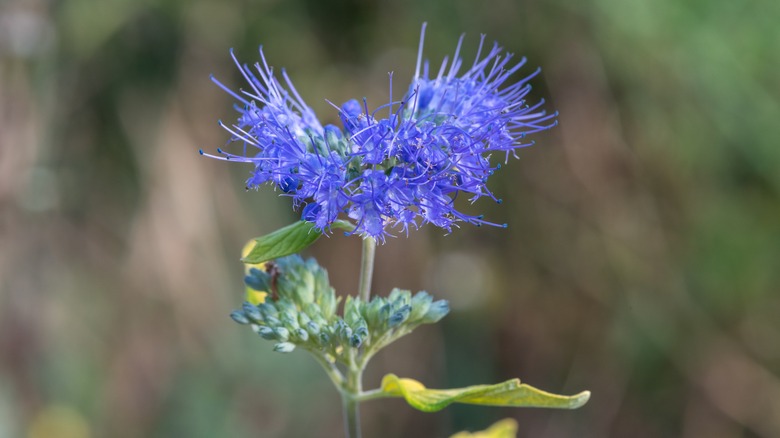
{"points": [[300, 311], [398, 171]]}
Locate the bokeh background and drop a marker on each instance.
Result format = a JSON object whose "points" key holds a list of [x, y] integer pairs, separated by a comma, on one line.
{"points": [[642, 258]]}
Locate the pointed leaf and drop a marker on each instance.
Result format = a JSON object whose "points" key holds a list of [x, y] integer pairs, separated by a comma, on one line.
{"points": [[288, 240], [506, 428], [510, 393], [284, 241]]}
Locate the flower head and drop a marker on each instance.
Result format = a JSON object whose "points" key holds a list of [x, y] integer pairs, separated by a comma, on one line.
{"points": [[394, 172]]}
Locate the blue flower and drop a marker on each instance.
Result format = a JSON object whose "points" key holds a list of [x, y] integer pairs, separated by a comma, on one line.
{"points": [[400, 171]]}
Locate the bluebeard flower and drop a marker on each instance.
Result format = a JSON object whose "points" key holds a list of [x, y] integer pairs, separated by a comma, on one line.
{"points": [[395, 172]]}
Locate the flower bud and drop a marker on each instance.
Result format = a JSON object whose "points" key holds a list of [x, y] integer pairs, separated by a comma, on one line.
{"points": [[258, 280], [266, 333], [304, 293], [421, 302], [313, 328], [302, 334], [282, 334], [290, 321], [372, 311], [284, 347], [239, 317], [268, 310], [328, 303], [437, 311], [362, 331], [352, 310], [252, 312], [399, 297], [399, 316]]}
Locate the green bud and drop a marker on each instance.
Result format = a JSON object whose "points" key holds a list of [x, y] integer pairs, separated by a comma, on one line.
{"points": [[313, 328], [399, 297], [321, 282], [305, 289], [352, 310], [399, 316], [266, 333], [252, 312], [328, 303], [355, 341], [258, 280], [268, 310], [284, 347], [335, 141], [362, 331], [302, 334], [290, 321], [372, 311], [286, 306], [312, 310], [282, 334], [342, 330], [239, 317], [436, 312], [421, 302]]}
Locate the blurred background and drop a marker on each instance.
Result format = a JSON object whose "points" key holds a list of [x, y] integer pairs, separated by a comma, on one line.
{"points": [[641, 262]]}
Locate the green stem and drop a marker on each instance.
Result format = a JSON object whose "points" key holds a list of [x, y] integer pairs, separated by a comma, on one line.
{"points": [[351, 415], [350, 394], [366, 268], [352, 389], [372, 395], [330, 369]]}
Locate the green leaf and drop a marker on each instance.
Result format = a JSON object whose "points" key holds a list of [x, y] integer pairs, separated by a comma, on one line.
{"points": [[510, 393], [288, 240], [506, 428]]}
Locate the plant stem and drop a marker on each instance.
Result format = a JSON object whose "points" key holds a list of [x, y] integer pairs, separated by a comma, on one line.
{"points": [[366, 268], [373, 394], [352, 389], [350, 394], [351, 415]]}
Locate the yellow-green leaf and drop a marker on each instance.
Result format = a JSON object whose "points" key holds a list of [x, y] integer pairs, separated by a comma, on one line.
{"points": [[506, 428], [511, 393]]}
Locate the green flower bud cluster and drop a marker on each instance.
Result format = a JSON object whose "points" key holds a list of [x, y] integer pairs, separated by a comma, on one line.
{"points": [[300, 312]]}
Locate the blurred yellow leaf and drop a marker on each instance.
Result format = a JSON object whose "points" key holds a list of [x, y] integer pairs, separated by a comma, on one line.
{"points": [[506, 428], [510, 393], [59, 421]]}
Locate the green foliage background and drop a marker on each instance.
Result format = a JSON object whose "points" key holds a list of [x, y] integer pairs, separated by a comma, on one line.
{"points": [[642, 259]]}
